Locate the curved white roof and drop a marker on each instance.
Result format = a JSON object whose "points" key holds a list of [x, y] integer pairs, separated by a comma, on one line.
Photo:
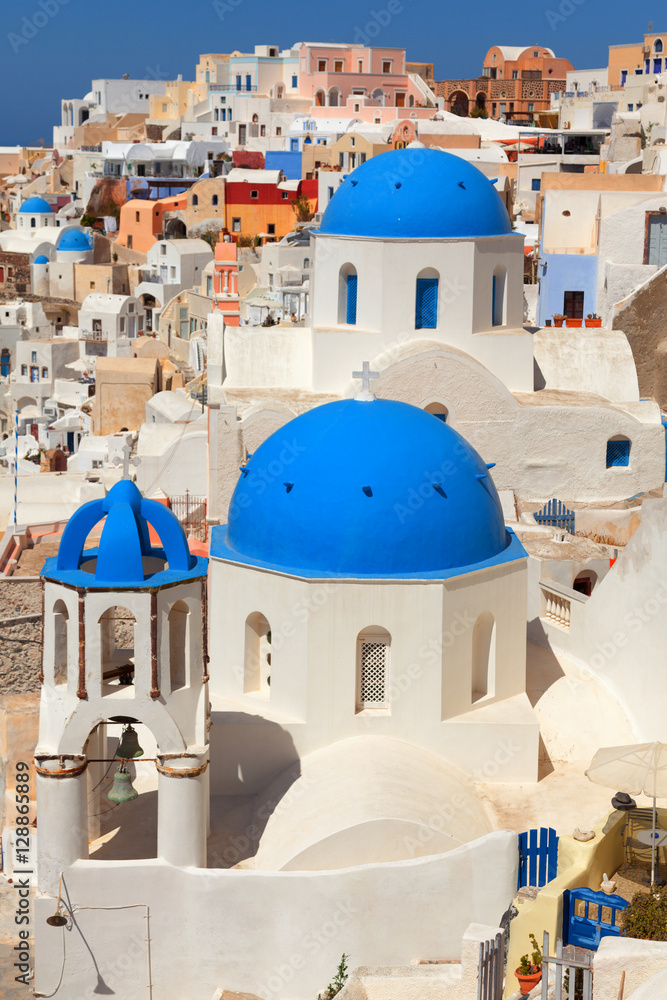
{"points": [[511, 53], [105, 303], [373, 782]]}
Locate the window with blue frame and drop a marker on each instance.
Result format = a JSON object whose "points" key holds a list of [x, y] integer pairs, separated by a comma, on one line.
{"points": [[426, 303], [295, 82], [351, 300], [238, 82], [657, 65], [618, 452], [536, 184]]}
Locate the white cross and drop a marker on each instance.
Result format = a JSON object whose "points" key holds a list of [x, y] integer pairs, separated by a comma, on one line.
{"points": [[365, 375], [126, 460]]}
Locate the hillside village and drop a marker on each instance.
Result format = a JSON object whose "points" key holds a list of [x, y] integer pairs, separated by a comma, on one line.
{"points": [[333, 415]]}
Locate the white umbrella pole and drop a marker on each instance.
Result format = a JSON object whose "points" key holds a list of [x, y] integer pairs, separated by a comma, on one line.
{"points": [[653, 846]]}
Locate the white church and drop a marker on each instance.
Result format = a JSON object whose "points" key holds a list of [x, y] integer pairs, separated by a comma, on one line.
{"points": [[250, 764]]}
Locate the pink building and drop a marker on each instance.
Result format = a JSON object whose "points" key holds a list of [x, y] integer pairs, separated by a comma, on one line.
{"points": [[225, 293], [333, 75]]}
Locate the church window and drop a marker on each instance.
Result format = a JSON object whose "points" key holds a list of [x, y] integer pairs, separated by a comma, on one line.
{"points": [[60, 620], [618, 452], [498, 297], [117, 650], [257, 665], [179, 646], [347, 300], [438, 410], [483, 657], [426, 300], [373, 645]]}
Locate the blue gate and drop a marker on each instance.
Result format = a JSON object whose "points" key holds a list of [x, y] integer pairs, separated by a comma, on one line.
{"points": [[589, 916], [556, 515], [538, 857]]}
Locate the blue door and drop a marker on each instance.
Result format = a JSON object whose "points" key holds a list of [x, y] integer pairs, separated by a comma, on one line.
{"points": [[426, 306], [248, 82], [294, 145], [589, 916], [70, 442]]}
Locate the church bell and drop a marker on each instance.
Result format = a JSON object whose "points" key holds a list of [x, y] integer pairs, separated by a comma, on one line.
{"points": [[129, 748], [122, 790]]}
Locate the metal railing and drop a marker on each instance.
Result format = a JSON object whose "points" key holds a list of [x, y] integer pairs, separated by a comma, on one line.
{"points": [[569, 973], [191, 512]]}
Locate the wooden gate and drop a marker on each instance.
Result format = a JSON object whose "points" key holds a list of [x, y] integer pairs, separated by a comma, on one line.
{"points": [[556, 514]]}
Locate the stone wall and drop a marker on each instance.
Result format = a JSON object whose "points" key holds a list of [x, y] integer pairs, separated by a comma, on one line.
{"points": [[641, 318], [19, 281]]}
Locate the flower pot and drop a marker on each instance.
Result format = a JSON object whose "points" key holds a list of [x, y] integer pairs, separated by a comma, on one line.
{"points": [[558, 322], [547, 322], [569, 321], [596, 323], [528, 982]]}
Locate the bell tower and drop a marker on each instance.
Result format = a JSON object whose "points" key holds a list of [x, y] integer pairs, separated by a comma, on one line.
{"points": [[124, 645]]}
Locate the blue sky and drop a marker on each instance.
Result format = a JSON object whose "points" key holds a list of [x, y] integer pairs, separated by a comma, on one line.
{"points": [[52, 49]]}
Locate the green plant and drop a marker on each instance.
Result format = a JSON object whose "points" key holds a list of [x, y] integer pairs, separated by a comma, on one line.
{"points": [[114, 256], [338, 981], [479, 113], [245, 241], [592, 316], [528, 965], [646, 917], [302, 209], [558, 316]]}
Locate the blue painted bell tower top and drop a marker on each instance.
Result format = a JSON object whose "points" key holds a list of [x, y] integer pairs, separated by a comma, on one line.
{"points": [[125, 557]]}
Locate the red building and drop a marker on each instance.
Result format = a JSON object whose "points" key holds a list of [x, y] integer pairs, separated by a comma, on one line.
{"points": [[261, 203]]}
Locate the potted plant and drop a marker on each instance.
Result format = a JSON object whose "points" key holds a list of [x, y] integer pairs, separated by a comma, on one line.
{"points": [[571, 321], [593, 320], [529, 971], [558, 319]]}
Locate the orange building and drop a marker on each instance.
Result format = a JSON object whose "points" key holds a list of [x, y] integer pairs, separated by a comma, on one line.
{"points": [[637, 58], [259, 202], [225, 292], [516, 82], [142, 221]]}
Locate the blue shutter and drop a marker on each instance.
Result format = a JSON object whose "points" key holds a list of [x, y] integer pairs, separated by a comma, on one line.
{"points": [[351, 317], [618, 453], [426, 311]]}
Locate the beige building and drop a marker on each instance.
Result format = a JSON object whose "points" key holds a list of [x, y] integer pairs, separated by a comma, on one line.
{"points": [[173, 103], [205, 207], [123, 386]]}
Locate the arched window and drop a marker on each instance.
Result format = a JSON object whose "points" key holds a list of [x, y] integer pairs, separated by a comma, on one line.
{"points": [[117, 649], [438, 410], [618, 451], [373, 645], [60, 620], [483, 657], [320, 99], [334, 97], [255, 119], [657, 45], [498, 297], [347, 295], [257, 665], [33, 223], [426, 300], [585, 581], [179, 645], [195, 199]]}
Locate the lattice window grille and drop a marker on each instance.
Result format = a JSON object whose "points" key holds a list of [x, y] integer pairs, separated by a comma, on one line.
{"points": [[373, 655]]}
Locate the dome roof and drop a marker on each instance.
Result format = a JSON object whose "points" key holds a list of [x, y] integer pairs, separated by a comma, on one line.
{"points": [[74, 239], [36, 206], [365, 489], [125, 556], [416, 194], [41, 259]]}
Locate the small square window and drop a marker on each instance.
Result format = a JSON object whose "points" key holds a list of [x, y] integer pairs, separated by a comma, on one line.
{"points": [[236, 225], [321, 65], [279, 131], [338, 66], [618, 452], [254, 194], [386, 67], [285, 195], [271, 229]]}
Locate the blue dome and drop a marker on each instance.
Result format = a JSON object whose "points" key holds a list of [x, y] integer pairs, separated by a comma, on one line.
{"points": [[416, 194], [125, 556], [35, 206], [74, 239], [41, 259], [357, 488]]}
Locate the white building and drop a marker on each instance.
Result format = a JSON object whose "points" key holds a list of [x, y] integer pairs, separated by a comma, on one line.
{"points": [[172, 266], [110, 323]]}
